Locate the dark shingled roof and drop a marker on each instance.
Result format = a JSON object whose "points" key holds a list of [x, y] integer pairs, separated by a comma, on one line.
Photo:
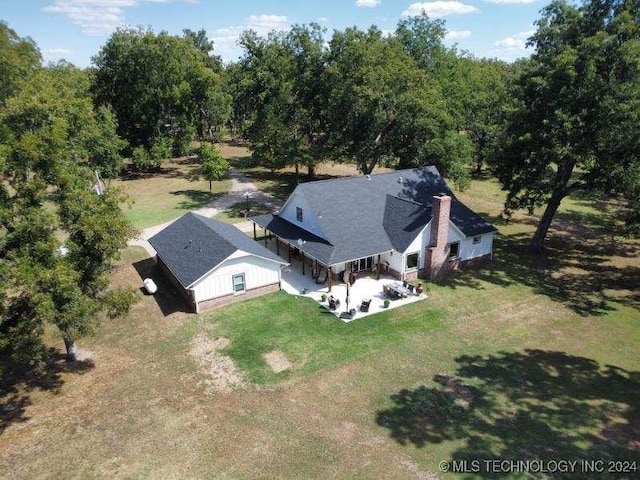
{"points": [[193, 245], [370, 214]]}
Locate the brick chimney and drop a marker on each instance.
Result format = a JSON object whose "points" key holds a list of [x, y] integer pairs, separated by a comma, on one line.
{"points": [[437, 253]]}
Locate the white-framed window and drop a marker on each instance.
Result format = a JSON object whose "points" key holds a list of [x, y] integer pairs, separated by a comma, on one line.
{"points": [[412, 260], [238, 283], [477, 239], [454, 250], [299, 216]]}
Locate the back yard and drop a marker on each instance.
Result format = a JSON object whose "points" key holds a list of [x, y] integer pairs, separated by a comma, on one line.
{"points": [[526, 358]]}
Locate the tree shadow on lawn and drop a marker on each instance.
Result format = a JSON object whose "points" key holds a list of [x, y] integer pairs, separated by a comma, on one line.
{"points": [[531, 405], [574, 270], [18, 382], [191, 173], [195, 198]]}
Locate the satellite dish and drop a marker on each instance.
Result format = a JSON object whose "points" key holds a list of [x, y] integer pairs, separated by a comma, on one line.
{"points": [[300, 242]]}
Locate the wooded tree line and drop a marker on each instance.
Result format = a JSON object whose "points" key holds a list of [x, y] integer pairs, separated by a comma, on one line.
{"points": [[564, 120]]}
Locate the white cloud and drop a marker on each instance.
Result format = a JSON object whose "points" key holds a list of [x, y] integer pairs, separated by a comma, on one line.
{"points": [[513, 47], [55, 54], [367, 3], [505, 2], [439, 9], [225, 40], [96, 17], [457, 34]]}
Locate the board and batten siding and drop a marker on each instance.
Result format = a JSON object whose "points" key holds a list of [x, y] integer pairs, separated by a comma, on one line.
{"points": [[258, 272]]}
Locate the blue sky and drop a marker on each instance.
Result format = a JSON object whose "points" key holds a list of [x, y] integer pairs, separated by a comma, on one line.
{"points": [[76, 29]]}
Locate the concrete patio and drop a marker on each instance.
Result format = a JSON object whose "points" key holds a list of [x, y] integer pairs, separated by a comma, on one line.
{"points": [[365, 287]]}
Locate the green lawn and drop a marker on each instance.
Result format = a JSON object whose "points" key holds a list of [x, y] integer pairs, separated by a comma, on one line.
{"points": [[237, 212], [165, 195], [308, 334], [525, 358]]}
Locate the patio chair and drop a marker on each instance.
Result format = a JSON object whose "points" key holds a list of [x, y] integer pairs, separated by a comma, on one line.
{"points": [[410, 288], [334, 304], [348, 315], [364, 306]]}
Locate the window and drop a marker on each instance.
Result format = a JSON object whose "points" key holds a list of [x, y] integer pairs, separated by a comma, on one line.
{"points": [[238, 283], [412, 261], [299, 214], [454, 250], [477, 240]]}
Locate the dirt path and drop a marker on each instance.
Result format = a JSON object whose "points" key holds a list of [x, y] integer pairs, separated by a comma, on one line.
{"points": [[240, 185]]}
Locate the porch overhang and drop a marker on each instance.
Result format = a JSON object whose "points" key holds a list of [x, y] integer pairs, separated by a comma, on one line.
{"points": [[311, 245]]}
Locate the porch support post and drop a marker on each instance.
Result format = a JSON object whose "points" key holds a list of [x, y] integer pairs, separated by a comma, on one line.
{"points": [[378, 269], [289, 253], [277, 246], [330, 275], [303, 262], [265, 235]]}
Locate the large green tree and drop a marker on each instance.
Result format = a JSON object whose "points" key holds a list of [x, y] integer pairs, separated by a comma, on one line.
{"points": [[280, 93], [160, 85], [18, 59], [475, 90], [577, 121], [384, 107], [59, 232]]}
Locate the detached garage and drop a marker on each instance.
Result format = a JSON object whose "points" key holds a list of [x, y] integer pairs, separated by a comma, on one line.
{"points": [[213, 263]]}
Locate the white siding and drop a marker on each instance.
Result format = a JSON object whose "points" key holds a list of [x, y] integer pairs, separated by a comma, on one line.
{"points": [[309, 220], [468, 250], [419, 244], [257, 273]]}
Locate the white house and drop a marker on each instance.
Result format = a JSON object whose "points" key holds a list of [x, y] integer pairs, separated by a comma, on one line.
{"points": [[213, 263], [406, 223]]}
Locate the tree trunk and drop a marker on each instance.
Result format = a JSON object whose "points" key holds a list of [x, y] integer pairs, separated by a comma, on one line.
{"points": [[210, 187], [480, 160], [311, 171], [537, 242], [70, 344], [561, 190]]}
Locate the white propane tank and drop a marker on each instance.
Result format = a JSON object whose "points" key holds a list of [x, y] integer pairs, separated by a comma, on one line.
{"points": [[150, 286]]}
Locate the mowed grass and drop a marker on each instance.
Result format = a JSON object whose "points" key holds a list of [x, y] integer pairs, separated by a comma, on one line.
{"points": [[308, 334], [281, 183], [238, 212], [525, 358], [167, 194]]}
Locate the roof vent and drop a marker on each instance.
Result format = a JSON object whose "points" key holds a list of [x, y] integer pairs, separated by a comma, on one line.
{"points": [[400, 180], [368, 177]]}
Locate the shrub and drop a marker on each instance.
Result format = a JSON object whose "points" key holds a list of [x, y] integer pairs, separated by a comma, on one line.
{"points": [[160, 150], [182, 140], [141, 160]]}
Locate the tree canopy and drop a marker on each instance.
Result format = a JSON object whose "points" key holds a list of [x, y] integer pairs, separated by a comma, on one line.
{"points": [[576, 123], [59, 231], [160, 85]]}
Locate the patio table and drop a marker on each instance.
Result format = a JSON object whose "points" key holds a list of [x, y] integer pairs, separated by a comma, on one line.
{"points": [[400, 289]]}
